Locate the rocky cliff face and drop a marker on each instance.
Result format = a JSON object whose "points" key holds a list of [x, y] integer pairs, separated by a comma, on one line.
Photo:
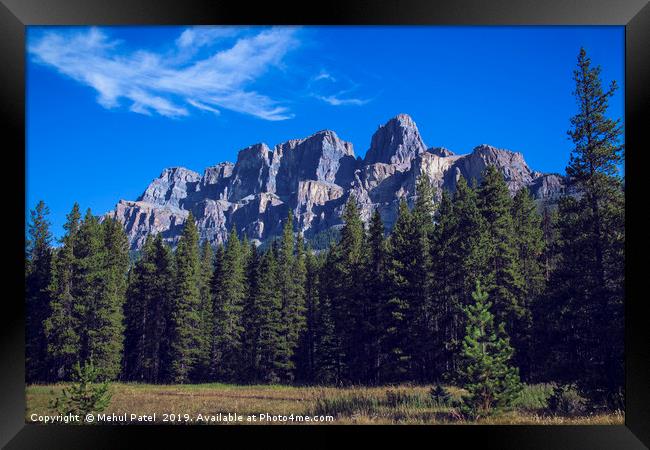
{"points": [[313, 177], [397, 142]]}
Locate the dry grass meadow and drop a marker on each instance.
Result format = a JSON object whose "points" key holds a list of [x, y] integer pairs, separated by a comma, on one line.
{"points": [[402, 404]]}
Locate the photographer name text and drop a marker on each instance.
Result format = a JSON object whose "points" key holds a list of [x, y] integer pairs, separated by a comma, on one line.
{"points": [[179, 418]]}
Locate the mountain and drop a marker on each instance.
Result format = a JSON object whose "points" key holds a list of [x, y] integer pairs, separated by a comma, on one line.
{"points": [[314, 178]]}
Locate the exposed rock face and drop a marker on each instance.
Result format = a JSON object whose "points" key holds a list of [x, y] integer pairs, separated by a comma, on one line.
{"points": [[515, 170], [313, 177], [215, 181], [547, 186], [321, 157], [171, 187], [440, 151], [251, 172], [396, 142], [141, 218]]}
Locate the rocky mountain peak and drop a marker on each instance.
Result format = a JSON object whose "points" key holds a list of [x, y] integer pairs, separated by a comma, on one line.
{"points": [[171, 187], [511, 164], [405, 120], [251, 172], [323, 156], [313, 177], [253, 154], [179, 173], [398, 141], [331, 139]]}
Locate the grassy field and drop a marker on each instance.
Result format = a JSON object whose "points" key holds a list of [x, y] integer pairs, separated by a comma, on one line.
{"points": [[203, 403]]}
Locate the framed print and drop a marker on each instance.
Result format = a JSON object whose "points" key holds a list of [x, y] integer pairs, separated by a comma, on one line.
{"points": [[395, 219]]}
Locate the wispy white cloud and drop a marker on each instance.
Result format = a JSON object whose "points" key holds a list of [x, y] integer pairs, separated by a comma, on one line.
{"points": [[203, 106], [323, 75], [334, 100], [200, 36], [327, 88], [157, 83]]}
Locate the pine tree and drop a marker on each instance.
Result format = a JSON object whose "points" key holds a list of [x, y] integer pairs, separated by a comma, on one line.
{"points": [[298, 300], [446, 298], [229, 291], [530, 246], [592, 236], [492, 384], [38, 277], [107, 341], [216, 283], [544, 314], [328, 343], [137, 316], [502, 273], [375, 299], [346, 301], [250, 317], [202, 369], [87, 292], [290, 284], [61, 327], [397, 360], [161, 325], [459, 251], [267, 327], [420, 282], [186, 317], [306, 354]]}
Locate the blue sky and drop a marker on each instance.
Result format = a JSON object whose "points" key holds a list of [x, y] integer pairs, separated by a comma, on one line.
{"points": [[108, 108]]}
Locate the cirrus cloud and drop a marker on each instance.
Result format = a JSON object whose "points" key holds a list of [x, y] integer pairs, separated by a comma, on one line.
{"points": [[170, 85]]}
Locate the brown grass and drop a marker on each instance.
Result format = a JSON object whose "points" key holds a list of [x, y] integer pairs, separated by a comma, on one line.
{"points": [[403, 404]]}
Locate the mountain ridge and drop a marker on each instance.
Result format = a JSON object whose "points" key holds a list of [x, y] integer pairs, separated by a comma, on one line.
{"points": [[313, 176]]}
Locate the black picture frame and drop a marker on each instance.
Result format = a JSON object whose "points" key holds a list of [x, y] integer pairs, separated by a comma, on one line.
{"points": [[15, 15]]}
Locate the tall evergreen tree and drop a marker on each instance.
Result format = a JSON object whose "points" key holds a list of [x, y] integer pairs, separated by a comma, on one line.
{"points": [[216, 284], [202, 369], [459, 249], [375, 299], [396, 342], [161, 325], [87, 290], [420, 281], [492, 383], [267, 327], [229, 292], [61, 327], [88, 294], [328, 343], [137, 316], [250, 317], [502, 274], [307, 349], [298, 308], [544, 315], [592, 236], [347, 301], [186, 313], [38, 277], [291, 268], [530, 245], [107, 341], [445, 295]]}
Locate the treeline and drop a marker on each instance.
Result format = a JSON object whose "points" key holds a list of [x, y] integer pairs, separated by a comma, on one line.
{"points": [[373, 307]]}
